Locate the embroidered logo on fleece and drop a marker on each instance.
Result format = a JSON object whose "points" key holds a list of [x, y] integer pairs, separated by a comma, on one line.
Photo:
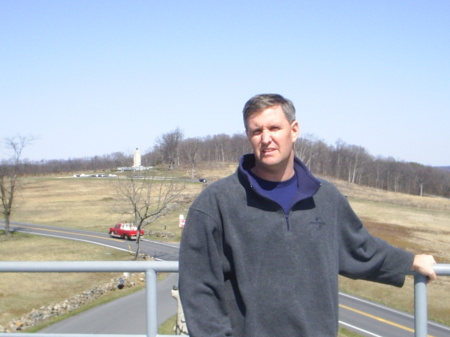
{"points": [[318, 221]]}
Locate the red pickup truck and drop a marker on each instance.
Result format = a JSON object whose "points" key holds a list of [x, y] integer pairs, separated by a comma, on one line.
{"points": [[126, 231]]}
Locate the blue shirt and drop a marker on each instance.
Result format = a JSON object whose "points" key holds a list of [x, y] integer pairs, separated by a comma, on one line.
{"points": [[282, 192]]}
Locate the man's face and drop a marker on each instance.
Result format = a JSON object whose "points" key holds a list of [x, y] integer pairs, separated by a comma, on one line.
{"points": [[272, 137]]}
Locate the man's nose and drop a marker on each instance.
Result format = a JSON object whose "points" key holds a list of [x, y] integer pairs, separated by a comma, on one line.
{"points": [[266, 137]]}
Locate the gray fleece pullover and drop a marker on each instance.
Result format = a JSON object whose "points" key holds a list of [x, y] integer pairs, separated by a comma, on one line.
{"points": [[247, 269]]}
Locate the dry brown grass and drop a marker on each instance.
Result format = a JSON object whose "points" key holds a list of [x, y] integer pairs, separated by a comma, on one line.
{"points": [[21, 292], [67, 202], [83, 203]]}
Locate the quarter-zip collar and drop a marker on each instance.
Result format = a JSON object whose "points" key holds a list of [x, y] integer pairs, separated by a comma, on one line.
{"points": [[307, 184]]}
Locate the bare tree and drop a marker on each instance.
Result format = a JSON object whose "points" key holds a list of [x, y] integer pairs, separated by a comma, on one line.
{"points": [[190, 148], [9, 173], [304, 149], [238, 146], [219, 143], [146, 197], [356, 160], [338, 159], [168, 145]]}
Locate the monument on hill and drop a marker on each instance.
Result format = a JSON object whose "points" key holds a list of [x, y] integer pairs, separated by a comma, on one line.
{"points": [[137, 158], [137, 163]]}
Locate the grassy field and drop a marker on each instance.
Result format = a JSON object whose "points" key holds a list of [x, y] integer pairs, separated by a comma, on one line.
{"points": [[413, 223], [22, 292]]}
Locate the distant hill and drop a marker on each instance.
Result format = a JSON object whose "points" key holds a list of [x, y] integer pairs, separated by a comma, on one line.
{"points": [[444, 168]]}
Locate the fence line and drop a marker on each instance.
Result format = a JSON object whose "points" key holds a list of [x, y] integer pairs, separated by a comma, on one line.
{"points": [[151, 268]]}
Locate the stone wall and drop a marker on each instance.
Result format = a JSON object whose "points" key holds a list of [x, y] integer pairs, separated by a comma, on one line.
{"points": [[44, 313]]}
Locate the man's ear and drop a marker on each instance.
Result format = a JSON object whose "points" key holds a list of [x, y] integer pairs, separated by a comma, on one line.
{"points": [[295, 129]]}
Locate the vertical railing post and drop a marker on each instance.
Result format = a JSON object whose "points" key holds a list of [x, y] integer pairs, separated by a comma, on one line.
{"points": [[152, 303], [420, 305]]}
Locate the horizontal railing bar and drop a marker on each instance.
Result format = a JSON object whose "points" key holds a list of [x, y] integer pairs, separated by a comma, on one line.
{"points": [[442, 269], [87, 266], [118, 266]]}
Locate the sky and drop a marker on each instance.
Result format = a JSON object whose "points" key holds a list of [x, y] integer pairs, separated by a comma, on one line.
{"points": [[94, 77]]}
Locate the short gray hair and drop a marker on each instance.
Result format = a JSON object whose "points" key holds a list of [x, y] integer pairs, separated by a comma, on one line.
{"points": [[261, 102]]}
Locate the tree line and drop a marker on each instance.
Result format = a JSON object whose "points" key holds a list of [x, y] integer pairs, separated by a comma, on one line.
{"points": [[341, 160]]}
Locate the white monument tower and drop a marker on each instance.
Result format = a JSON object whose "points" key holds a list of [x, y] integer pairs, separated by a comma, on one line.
{"points": [[137, 158]]}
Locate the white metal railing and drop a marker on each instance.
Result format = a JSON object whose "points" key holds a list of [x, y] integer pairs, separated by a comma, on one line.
{"points": [[152, 267]]}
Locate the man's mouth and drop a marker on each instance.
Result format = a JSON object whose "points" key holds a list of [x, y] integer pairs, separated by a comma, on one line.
{"points": [[264, 151]]}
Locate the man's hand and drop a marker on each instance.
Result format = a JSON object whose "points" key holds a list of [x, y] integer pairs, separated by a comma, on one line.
{"points": [[424, 264]]}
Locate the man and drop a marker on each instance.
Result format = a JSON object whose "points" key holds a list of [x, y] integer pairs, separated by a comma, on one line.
{"points": [[262, 249]]}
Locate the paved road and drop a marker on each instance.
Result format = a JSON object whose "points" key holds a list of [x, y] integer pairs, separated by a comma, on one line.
{"points": [[364, 317], [158, 250], [375, 320], [126, 315]]}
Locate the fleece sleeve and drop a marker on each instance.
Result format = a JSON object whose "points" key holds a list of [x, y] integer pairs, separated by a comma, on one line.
{"points": [[201, 277], [363, 256]]}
